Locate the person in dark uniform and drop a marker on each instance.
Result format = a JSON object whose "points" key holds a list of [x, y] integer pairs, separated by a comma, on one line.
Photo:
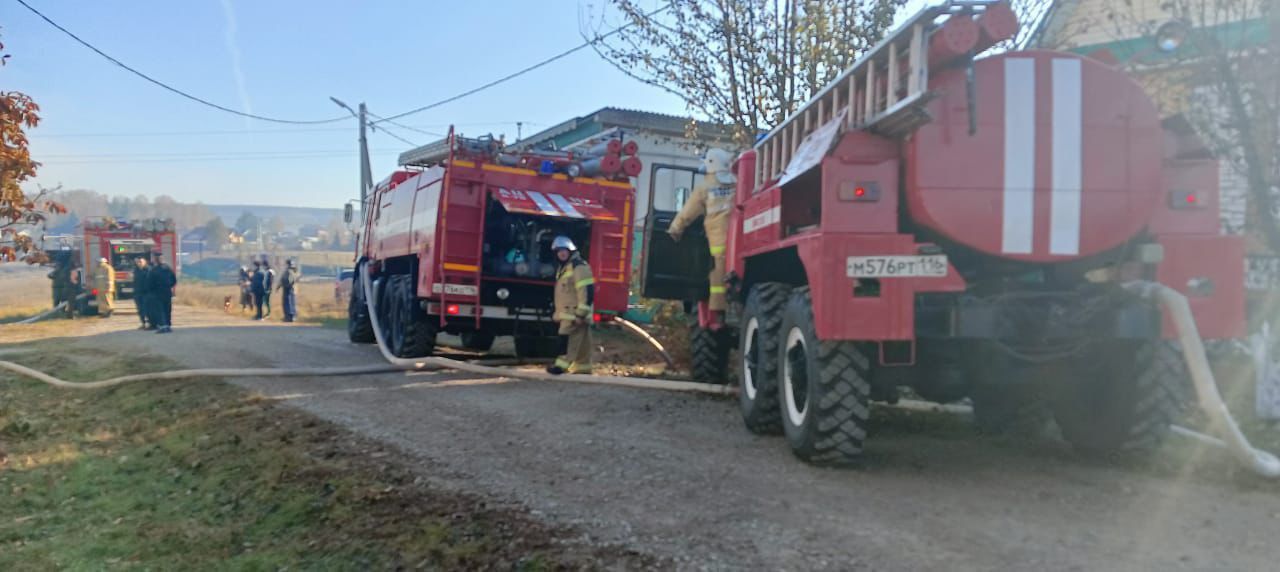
{"points": [[257, 286], [288, 290], [141, 285], [268, 282], [161, 282]]}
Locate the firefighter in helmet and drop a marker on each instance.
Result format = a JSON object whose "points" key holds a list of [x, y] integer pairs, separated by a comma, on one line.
{"points": [[574, 296], [712, 199], [104, 281]]}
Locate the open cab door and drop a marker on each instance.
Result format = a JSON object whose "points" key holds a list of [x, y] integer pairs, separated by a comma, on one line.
{"points": [[671, 270]]}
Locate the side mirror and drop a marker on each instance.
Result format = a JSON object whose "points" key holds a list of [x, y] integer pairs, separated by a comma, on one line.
{"points": [[347, 213]]}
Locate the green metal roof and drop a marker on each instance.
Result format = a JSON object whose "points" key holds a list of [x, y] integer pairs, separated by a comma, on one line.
{"points": [[1142, 50]]}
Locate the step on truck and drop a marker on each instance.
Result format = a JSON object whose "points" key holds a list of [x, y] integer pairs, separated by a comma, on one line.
{"points": [[458, 241], [962, 228]]}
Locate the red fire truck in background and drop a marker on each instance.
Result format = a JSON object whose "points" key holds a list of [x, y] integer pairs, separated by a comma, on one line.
{"points": [[122, 242], [459, 241], [964, 228]]}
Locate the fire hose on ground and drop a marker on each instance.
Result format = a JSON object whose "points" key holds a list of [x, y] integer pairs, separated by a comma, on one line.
{"points": [[1221, 421], [487, 367]]}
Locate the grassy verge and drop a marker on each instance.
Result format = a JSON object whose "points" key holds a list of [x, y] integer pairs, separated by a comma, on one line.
{"points": [[200, 475], [316, 302]]}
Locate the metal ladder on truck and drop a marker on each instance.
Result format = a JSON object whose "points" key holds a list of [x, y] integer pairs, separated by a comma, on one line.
{"points": [[886, 89], [461, 249]]}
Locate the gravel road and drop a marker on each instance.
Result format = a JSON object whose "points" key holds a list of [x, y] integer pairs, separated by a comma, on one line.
{"points": [[677, 476]]}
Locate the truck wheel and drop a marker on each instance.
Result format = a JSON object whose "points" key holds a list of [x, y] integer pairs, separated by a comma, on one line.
{"points": [[1123, 398], [479, 340], [758, 345], [359, 327], [412, 332], [825, 389], [537, 346], [710, 355]]}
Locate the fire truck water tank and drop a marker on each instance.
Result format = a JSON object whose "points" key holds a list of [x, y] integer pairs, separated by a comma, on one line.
{"points": [[1066, 161]]}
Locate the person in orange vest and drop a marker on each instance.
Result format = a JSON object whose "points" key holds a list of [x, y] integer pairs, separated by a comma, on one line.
{"points": [[574, 299], [711, 199]]}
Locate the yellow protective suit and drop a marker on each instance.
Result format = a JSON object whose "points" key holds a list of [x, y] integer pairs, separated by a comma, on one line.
{"points": [[574, 312], [104, 280], [712, 199]]}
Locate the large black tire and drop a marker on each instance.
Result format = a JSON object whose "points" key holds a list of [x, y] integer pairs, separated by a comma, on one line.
{"points": [[480, 341], [537, 346], [359, 326], [709, 352], [1124, 398], [758, 345], [412, 333], [825, 389]]}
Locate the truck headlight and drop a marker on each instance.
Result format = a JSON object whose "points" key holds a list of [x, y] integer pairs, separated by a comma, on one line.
{"points": [[503, 293]]}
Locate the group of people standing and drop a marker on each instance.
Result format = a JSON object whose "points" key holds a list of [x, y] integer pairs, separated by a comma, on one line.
{"points": [[153, 289], [256, 286]]}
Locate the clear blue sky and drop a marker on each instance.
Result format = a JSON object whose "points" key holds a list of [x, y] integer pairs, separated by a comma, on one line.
{"points": [[284, 59]]}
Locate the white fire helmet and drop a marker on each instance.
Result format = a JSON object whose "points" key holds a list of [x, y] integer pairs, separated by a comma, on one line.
{"points": [[563, 241], [716, 160]]}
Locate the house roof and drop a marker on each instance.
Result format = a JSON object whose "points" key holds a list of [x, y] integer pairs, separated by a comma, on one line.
{"points": [[579, 128]]}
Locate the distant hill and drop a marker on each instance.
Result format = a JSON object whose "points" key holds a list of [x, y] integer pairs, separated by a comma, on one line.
{"points": [[293, 217]]}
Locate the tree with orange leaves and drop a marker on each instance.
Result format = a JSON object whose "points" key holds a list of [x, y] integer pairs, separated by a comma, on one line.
{"points": [[19, 210]]}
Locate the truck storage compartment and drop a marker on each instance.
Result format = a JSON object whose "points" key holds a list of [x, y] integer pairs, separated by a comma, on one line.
{"points": [[517, 245]]}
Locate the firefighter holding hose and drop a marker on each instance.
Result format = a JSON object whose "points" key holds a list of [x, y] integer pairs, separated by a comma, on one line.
{"points": [[574, 297], [712, 199]]}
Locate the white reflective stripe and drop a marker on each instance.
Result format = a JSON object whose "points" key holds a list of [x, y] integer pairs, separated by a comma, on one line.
{"points": [[1068, 125], [543, 203], [762, 220], [499, 312], [564, 205], [1019, 155]]}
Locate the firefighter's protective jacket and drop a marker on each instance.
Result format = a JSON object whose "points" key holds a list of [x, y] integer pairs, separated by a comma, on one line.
{"points": [[575, 291], [104, 279], [711, 200]]}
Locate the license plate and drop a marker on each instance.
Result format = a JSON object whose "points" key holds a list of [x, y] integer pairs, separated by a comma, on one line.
{"points": [[931, 266]]}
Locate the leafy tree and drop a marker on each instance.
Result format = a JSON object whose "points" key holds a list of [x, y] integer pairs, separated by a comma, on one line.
{"points": [[216, 233], [19, 211], [746, 63], [1226, 79], [247, 222]]}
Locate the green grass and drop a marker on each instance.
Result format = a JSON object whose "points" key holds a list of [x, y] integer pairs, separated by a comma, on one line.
{"points": [[200, 475]]}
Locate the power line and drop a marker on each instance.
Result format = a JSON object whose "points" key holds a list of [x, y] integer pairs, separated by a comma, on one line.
{"points": [[403, 126], [387, 132], [126, 161], [170, 88], [202, 153], [419, 128], [521, 72]]}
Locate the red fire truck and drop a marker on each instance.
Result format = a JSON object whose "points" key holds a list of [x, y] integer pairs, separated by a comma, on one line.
{"points": [[964, 228], [122, 242], [459, 241]]}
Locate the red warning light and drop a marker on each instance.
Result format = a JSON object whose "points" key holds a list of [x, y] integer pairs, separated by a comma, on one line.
{"points": [[1191, 198], [452, 309], [860, 192], [94, 292]]}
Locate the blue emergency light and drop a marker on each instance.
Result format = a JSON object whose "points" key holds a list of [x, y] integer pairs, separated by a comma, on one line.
{"points": [[548, 167]]}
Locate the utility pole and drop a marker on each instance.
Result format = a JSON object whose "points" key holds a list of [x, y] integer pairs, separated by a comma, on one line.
{"points": [[519, 129], [366, 171]]}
